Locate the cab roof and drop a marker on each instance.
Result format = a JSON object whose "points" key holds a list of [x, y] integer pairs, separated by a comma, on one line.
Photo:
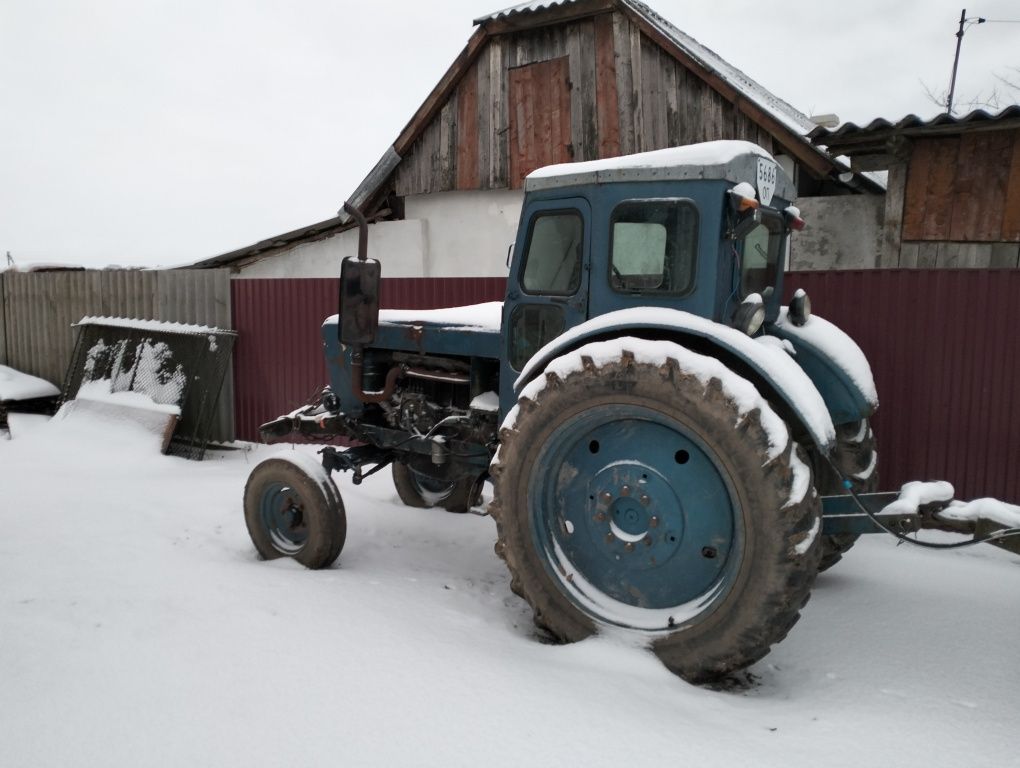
{"points": [[734, 161]]}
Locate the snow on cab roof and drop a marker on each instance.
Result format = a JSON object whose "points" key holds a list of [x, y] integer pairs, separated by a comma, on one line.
{"points": [[731, 160]]}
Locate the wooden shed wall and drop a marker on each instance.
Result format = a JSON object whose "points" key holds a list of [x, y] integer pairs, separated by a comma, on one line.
{"points": [[627, 95], [964, 188]]}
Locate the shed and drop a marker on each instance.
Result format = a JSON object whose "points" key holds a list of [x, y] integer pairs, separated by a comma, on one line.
{"points": [[551, 82], [954, 186]]}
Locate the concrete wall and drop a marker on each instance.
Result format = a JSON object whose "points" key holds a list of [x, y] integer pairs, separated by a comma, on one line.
{"points": [[843, 232], [445, 234], [468, 232], [399, 245]]}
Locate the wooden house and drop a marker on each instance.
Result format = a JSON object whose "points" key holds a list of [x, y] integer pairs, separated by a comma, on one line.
{"points": [[954, 186], [552, 82]]}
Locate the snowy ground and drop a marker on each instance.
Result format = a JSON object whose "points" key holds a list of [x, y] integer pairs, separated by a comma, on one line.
{"points": [[137, 628]]}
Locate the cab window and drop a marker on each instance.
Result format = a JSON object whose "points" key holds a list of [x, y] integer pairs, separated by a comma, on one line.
{"points": [[654, 244], [759, 256], [552, 261]]}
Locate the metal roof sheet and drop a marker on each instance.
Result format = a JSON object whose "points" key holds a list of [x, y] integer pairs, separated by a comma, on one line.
{"points": [[912, 124]]}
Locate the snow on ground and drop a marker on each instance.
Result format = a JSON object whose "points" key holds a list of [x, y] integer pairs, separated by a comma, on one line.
{"points": [[137, 627]]}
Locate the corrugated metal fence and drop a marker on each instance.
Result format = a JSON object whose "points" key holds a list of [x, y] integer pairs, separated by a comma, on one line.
{"points": [[945, 351], [943, 346], [39, 309]]}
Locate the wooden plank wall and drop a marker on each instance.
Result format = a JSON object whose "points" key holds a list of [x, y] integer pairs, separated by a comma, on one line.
{"points": [[964, 188], [626, 95], [540, 124]]}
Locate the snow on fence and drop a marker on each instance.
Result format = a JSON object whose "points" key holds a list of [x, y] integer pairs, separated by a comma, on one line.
{"points": [[942, 346], [39, 309]]}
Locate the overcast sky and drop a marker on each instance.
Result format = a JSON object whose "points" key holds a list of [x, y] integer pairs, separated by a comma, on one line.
{"points": [[139, 132]]}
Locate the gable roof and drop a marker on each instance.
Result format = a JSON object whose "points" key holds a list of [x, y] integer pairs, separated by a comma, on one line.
{"points": [[790, 126]]}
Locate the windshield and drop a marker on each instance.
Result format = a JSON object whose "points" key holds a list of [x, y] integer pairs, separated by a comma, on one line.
{"points": [[759, 256]]}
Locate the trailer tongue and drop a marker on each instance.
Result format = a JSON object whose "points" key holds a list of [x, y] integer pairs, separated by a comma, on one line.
{"points": [[924, 506]]}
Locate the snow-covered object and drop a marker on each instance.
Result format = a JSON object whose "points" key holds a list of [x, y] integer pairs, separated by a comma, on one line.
{"points": [[915, 494], [101, 391], [743, 189], [148, 325], [838, 346], [15, 385], [487, 401], [705, 153], [473, 317], [738, 389], [792, 210], [153, 371], [789, 376], [775, 342], [988, 509]]}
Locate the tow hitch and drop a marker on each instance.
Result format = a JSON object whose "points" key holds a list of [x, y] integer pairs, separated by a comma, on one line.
{"points": [[923, 506]]}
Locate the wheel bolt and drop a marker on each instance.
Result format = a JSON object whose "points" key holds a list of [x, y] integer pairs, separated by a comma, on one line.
{"points": [[629, 546], [709, 552], [645, 499], [606, 496], [625, 490], [653, 522], [600, 517], [610, 538], [648, 541]]}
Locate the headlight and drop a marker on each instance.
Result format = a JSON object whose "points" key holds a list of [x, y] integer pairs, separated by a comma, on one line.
{"points": [[800, 307], [749, 317]]}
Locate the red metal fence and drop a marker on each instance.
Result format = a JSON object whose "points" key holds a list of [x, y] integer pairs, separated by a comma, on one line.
{"points": [[945, 350], [943, 344]]}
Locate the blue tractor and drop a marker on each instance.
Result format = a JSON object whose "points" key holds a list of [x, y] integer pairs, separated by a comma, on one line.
{"points": [[659, 430]]}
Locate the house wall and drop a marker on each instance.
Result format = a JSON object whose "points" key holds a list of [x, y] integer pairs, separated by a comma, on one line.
{"points": [[446, 234], [953, 202], [468, 233], [843, 232], [400, 245], [626, 94]]}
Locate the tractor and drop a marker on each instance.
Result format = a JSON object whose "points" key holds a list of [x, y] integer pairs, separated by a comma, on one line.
{"points": [[673, 452]]}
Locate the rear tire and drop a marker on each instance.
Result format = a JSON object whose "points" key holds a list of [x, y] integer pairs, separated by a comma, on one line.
{"points": [[856, 455], [416, 489], [636, 496], [295, 511]]}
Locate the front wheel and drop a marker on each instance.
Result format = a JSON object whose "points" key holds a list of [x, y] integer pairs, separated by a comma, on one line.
{"points": [[294, 510], [660, 496]]}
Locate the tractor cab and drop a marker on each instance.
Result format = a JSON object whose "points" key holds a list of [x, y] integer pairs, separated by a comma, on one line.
{"points": [[703, 229]]}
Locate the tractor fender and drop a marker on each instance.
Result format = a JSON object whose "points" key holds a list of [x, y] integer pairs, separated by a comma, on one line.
{"points": [[834, 362], [769, 367]]}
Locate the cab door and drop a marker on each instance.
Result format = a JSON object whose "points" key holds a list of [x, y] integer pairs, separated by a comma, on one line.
{"points": [[547, 291]]}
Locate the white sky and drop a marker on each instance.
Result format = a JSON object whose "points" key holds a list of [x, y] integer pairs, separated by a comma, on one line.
{"points": [[138, 132]]}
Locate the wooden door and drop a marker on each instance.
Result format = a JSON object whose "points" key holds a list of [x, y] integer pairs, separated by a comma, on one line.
{"points": [[539, 117]]}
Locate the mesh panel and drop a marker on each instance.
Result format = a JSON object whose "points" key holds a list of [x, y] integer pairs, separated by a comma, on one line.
{"points": [[183, 368]]}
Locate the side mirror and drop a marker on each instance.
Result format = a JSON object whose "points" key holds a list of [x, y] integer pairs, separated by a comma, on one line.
{"points": [[359, 301]]}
